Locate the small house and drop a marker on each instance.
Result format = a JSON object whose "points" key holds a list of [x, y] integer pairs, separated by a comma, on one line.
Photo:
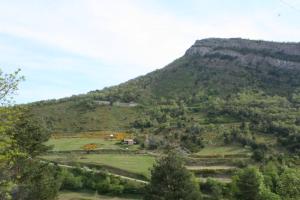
{"points": [[128, 141]]}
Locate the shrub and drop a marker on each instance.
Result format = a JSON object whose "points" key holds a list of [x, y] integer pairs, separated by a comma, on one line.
{"points": [[289, 184], [116, 189], [103, 186], [70, 181], [214, 188]]}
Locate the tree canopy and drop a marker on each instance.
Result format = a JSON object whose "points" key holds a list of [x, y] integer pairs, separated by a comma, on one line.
{"points": [[170, 180]]}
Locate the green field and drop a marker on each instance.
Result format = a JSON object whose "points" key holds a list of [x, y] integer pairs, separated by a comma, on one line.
{"points": [[138, 164], [71, 144], [66, 195], [222, 151]]}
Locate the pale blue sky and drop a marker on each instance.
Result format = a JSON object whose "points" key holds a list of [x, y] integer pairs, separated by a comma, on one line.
{"points": [[67, 47]]}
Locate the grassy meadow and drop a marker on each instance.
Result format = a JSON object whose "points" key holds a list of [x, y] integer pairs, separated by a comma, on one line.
{"points": [[133, 163], [223, 151]]}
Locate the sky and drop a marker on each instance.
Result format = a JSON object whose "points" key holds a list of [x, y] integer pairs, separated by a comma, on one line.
{"points": [[66, 47]]}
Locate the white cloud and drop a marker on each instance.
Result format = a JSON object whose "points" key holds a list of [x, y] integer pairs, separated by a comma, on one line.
{"points": [[125, 32], [128, 36]]}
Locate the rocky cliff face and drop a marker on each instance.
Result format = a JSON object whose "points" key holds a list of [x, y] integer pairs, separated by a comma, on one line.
{"points": [[205, 45], [249, 52]]}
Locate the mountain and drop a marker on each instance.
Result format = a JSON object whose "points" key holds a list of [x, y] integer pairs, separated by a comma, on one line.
{"points": [[219, 82], [224, 66]]}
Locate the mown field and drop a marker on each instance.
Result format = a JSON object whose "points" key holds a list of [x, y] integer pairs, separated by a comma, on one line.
{"points": [[133, 163], [222, 151]]}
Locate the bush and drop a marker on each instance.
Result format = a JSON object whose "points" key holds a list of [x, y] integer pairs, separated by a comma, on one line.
{"points": [[70, 181], [75, 179], [116, 189], [266, 194], [103, 186], [258, 155], [131, 187], [214, 188]]}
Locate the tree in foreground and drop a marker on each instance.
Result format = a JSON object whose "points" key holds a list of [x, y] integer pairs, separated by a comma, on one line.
{"points": [[34, 179], [248, 184], [8, 117], [170, 180], [22, 175]]}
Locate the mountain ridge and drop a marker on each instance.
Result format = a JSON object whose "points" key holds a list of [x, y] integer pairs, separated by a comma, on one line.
{"points": [[240, 52]]}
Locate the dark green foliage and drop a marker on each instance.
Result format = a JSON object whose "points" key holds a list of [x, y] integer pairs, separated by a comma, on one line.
{"points": [[191, 142], [37, 181], [170, 180], [215, 189], [266, 194], [271, 176], [30, 135], [247, 184], [289, 184], [258, 155]]}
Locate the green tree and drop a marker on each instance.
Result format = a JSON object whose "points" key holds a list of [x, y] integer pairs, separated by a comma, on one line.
{"points": [[30, 134], [271, 176], [34, 179], [266, 194], [170, 180], [8, 117], [23, 176], [247, 184], [37, 181], [289, 184]]}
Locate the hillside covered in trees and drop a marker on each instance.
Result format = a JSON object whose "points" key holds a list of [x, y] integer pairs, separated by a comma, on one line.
{"points": [[221, 86]]}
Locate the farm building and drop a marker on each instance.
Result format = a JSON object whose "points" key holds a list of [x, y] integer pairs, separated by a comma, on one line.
{"points": [[128, 141]]}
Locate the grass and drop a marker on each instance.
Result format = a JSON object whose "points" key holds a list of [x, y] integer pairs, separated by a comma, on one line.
{"points": [[266, 139], [67, 195], [222, 151], [70, 144], [217, 167], [138, 164], [222, 180]]}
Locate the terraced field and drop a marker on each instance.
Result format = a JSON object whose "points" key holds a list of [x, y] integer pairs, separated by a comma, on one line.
{"points": [[132, 163], [217, 162], [214, 161]]}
